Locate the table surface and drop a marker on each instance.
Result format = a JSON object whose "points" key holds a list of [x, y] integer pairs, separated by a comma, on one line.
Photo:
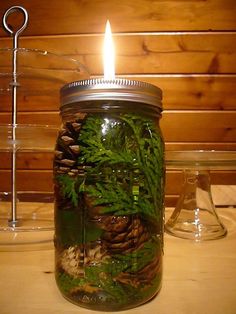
{"points": [[199, 278]]}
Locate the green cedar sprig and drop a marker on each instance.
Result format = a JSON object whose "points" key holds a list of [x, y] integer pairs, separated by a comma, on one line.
{"points": [[99, 146], [136, 260], [68, 187], [128, 143], [135, 145], [67, 282]]}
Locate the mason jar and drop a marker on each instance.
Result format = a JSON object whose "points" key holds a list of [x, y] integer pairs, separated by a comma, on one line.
{"points": [[109, 179]]}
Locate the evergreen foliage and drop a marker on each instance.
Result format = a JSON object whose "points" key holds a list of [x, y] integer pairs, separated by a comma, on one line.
{"points": [[122, 160]]}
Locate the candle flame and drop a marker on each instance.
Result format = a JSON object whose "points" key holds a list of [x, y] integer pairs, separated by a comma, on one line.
{"points": [[108, 54]]}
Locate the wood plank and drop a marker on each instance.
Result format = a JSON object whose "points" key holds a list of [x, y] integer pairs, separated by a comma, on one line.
{"points": [[175, 180], [29, 160], [71, 16], [178, 146], [44, 161], [177, 126], [147, 52], [199, 119], [27, 180], [195, 92], [213, 92], [41, 118], [37, 160], [42, 180]]}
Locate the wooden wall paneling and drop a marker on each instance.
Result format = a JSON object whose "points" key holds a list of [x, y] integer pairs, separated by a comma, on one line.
{"points": [[200, 92], [199, 126], [73, 16], [174, 180], [44, 161], [187, 48], [182, 126], [197, 92], [203, 52], [27, 160], [225, 146], [26, 180]]}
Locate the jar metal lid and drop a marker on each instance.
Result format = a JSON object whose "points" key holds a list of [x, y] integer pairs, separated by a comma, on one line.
{"points": [[117, 89]]}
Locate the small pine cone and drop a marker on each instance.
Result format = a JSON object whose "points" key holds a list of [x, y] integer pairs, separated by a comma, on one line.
{"points": [[73, 259], [67, 149], [123, 233]]}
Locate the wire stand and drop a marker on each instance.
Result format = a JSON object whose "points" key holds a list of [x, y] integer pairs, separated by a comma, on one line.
{"points": [[13, 221]]}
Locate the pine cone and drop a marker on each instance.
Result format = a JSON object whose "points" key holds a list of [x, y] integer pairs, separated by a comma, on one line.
{"points": [[149, 272], [67, 149], [122, 234], [73, 259], [142, 277]]}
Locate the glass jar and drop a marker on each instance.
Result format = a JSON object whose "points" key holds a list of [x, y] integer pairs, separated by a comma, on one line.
{"points": [[109, 192]]}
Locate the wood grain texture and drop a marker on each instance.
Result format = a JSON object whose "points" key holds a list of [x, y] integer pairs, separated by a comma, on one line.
{"points": [[227, 146], [174, 180], [73, 16], [187, 48], [44, 161], [147, 52], [179, 92], [29, 160], [28, 180], [204, 272], [177, 126]]}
